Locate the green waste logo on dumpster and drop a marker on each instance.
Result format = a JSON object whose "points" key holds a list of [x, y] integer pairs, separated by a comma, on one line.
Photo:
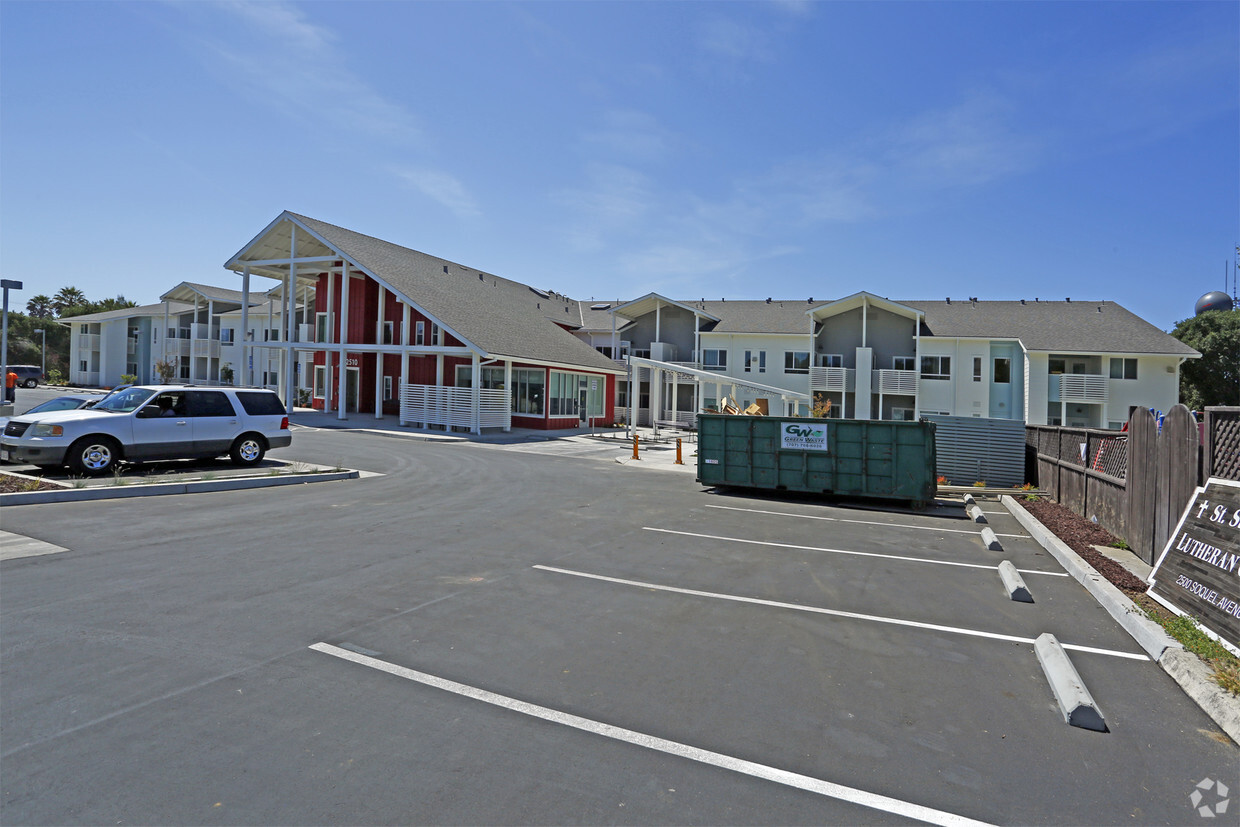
{"points": [[800, 437]]}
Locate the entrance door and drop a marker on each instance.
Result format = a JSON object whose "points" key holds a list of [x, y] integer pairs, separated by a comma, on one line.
{"points": [[352, 389], [583, 403]]}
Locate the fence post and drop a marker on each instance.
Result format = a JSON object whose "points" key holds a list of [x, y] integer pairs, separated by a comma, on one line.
{"points": [[1142, 482], [1177, 471]]}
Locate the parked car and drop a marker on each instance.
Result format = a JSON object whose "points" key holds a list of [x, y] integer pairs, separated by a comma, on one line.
{"points": [[151, 422], [28, 376], [68, 402]]}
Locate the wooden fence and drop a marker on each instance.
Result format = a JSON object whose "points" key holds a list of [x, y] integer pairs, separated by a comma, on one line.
{"points": [[1136, 484]]}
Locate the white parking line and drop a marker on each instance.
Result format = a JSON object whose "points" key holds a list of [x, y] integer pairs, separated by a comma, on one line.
{"points": [[955, 630], [862, 522], [850, 551], [715, 759]]}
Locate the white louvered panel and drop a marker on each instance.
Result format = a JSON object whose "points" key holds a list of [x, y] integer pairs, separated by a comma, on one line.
{"points": [[453, 407], [969, 449], [898, 382]]}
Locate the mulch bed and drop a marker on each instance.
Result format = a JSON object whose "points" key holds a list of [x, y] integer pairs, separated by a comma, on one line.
{"points": [[1081, 535], [10, 484]]}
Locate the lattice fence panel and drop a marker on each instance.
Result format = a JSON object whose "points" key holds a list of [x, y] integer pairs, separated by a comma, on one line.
{"points": [[1225, 441]]}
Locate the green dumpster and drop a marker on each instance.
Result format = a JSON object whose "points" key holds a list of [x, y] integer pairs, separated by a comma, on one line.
{"points": [[850, 457]]}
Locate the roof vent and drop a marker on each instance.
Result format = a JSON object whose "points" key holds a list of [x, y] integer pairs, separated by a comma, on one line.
{"points": [[811, 299], [1022, 301], [1068, 300], [445, 268], [768, 299], [949, 299], [602, 306], [1099, 309]]}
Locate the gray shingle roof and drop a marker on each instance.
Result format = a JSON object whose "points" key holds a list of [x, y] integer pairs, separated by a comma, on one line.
{"points": [[208, 291], [1092, 327], [500, 316]]}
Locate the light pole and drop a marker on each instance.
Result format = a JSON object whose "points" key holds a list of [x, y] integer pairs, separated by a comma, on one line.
{"points": [[6, 284], [42, 351]]}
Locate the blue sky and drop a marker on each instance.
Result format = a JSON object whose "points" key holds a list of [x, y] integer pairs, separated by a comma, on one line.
{"points": [[915, 150]]}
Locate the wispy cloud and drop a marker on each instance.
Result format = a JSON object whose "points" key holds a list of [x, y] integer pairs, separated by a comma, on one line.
{"points": [[728, 38], [963, 145], [274, 54], [442, 188], [631, 135]]}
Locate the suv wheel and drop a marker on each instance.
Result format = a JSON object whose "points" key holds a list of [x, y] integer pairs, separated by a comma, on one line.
{"points": [[93, 456], [31, 383], [248, 449]]}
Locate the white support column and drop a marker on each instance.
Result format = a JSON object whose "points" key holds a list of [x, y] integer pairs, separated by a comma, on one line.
{"points": [[475, 373], [245, 373], [193, 339], [290, 387], [342, 400], [329, 336], [212, 376], [675, 397], [379, 356], [615, 341], [658, 320], [165, 337], [697, 340], [917, 366], [508, 389], [656, 402], [439, 369], [630, 427]]}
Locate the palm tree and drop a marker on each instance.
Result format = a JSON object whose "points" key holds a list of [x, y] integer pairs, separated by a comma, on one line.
{"points": [[67, 297], [118, 303], [40, 307]]}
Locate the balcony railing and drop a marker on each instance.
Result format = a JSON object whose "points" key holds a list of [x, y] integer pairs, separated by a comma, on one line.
{"points": [[206, 347], [88, 341], [1079, 387], [903, 382], [832, 379]]}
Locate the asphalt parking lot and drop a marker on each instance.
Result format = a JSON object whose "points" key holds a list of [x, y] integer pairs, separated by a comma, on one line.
{"points": [[488, 635]]}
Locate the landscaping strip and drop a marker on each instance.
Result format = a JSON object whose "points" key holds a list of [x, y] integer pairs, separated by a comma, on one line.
{"points": [[164, 488]]}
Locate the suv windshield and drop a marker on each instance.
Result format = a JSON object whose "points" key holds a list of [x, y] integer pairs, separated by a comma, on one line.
{"points": [[125, 401]]}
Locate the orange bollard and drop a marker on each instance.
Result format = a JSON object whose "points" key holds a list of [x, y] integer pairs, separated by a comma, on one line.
{"points": [[635, 456], [679, 461]]}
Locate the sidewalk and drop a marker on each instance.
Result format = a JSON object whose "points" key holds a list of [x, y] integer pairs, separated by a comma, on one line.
{"points": [[655, 453]]}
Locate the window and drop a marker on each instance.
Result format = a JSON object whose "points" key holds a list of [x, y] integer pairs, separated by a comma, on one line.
{"points": [[714, 359], [904, 363], [902, 414], [185, 371], [755, 359], [321, 327], [210, 403], [977, 368], [387, 389], [1003, 371], [1123, 368], [604, 349], [562, 395], [1054, 366], [387, 333], [622, 394], [528, 388], [82, 365], [258, 403], [936, 367], [226, 335], [831, 360], [796, 361], [419, 336], [271, 377], [492, 378], [320, 381], [435, 334]]}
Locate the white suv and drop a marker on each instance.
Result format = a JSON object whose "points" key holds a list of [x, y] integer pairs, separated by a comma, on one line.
{"points": [[151, 422]]}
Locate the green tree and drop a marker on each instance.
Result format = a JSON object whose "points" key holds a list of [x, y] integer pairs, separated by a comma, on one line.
{"points": [[66, 298], [118, 303], [40, 307], [1214, 379]]}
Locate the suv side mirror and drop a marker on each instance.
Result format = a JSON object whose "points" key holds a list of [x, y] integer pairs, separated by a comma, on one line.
{"points": [[149, 412]]}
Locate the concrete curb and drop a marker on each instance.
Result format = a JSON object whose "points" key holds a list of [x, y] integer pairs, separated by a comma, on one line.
{"points": [[1193, 676], [990, 540], [1077, 705], [975, 512], [1144, 631], [1013, 583], [1185, 668], [113, 492]]}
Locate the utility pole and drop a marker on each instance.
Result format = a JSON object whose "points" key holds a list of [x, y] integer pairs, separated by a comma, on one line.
{"points": [[4, 336]]}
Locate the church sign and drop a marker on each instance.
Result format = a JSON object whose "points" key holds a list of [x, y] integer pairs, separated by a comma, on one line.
{"points": [[1198, 573]]}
